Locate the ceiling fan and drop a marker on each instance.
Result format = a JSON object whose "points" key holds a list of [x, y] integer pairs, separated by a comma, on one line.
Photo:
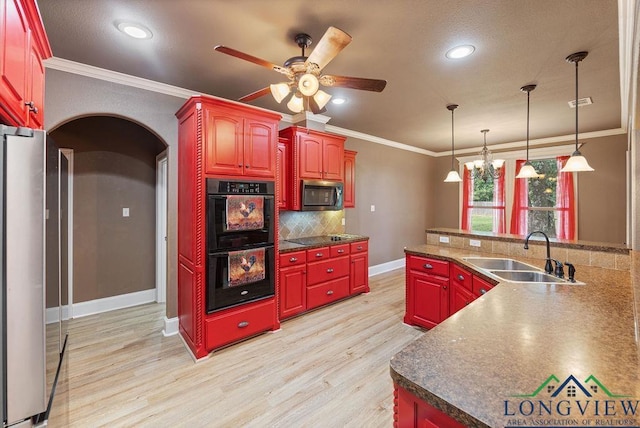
{"points": [[305, 73]]}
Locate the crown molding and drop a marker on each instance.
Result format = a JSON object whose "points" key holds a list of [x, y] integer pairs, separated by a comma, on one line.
{"points": [[377, 140]]}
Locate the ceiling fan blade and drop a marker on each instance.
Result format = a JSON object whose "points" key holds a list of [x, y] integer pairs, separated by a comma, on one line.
{"points": [[330, 45], [261, 62], [361, 83], [257, 94]]}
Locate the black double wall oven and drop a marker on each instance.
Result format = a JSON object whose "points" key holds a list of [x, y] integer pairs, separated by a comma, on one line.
{"points": [[240, 242]]}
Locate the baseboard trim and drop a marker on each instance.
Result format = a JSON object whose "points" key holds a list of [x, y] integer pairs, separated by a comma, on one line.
{"points": [[386, 267], [106, 304], [170, 326]]}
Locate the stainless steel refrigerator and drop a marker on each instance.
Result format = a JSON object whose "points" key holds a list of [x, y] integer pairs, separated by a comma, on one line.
{"points": [[22, 271]]}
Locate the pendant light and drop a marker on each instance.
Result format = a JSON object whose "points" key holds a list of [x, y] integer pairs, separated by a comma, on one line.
{"points": [[527, 170], [576, 162], [453, 176]]}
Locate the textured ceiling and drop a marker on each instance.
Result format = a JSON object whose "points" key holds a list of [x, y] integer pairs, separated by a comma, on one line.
{"points": [[517, 42]]}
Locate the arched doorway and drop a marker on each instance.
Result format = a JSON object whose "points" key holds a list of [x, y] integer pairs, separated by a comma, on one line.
{"points": [[114, 212]]}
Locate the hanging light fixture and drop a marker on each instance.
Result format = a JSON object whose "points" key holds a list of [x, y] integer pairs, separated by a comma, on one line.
{"points": [[485, 168], [527, 170], [453, 176], [576, 162]]}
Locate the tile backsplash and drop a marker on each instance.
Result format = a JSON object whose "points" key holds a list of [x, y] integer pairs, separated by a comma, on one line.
{"points": [[297, 224]]}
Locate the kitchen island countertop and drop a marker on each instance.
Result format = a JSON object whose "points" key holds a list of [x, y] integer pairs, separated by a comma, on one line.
{"points": [[508, 343]]}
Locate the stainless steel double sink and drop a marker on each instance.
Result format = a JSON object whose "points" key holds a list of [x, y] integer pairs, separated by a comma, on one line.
{"points": [[511, 270]]}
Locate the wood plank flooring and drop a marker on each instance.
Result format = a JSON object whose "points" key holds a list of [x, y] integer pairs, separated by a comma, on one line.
{"points": [[327, 368]]}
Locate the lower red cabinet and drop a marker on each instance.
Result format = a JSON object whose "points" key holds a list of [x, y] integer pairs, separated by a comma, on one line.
{"points": [[410, 411], [327, 292], [292, 295], [481, 286], [459, 297], [232, 325]]}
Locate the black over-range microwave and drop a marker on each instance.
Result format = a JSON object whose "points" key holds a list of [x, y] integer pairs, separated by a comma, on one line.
{"points": [[320, 195]]}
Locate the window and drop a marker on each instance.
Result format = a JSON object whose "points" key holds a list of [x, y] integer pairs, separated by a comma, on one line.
{"points": [[483, 203], [545, 203], [571, 389]]}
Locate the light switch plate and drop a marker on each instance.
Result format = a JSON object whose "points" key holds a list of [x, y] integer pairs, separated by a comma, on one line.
{"points": [[125, 212], [373, 208]]}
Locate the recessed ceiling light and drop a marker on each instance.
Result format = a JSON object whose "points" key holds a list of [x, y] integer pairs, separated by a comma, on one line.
{"points": [[338, 101], [460, 52], [133, 29]]}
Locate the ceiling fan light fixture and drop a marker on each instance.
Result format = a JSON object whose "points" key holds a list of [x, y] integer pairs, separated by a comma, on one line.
{"points": [[279, 91], [321, 98], [308, 84], [296, 103]]}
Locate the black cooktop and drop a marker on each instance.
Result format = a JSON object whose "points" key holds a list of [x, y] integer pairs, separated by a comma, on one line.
{"points": [[323, 239]]}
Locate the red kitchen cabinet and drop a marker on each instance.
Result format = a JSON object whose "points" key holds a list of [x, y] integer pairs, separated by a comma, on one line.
{"points": [[410, 411], [327, 270], [427, 288], [359, 275], [460, 292], [292, 295], [217, 138], [238, 143], [327, 292], [282, 168], [481, 286], [314, 155], [349, 194], [23, 46]]}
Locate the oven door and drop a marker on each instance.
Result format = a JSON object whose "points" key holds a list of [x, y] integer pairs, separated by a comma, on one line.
{"points": [[239, 221], [236, 277]]}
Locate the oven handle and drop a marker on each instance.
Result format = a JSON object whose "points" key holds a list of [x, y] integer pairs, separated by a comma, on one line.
{"points": [[248, 248]]}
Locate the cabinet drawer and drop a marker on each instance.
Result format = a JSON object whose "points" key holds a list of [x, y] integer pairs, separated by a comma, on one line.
{"points": [[461, 276], [327, 270], [339, 250], [480, 286], [328, 292], [427, 265], [293, 259], [359, 247], [240, 323], [318, 254]]}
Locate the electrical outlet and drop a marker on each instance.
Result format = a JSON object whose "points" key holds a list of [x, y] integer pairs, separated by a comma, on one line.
{"points": [[444, 239], [125, 212], [474, 242], [373, 208], [343, 221]]}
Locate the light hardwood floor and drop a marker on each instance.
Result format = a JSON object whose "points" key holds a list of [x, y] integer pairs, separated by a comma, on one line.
{"points": [[327, 368]]}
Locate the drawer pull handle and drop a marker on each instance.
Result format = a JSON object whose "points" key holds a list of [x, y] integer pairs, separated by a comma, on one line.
{"points": [[340, 251], [483, 291], [330, 270], [244, 292], [444, 287], [243, 324], [460, 277], [318, 254], [329, 292], [293, 259], [359, 247], [428, 266], [32, 106]]}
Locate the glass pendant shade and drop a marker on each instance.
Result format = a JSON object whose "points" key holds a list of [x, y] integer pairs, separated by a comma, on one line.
{"points": [[498, 163], [453, 177], [527, 171], [321, 98], [576, 163], [296, 104], [308, 85], [279, 91]]}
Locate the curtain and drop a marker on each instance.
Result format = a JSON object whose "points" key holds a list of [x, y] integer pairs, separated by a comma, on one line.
{"points": [[520, 203], [499, 222], [565, 203], [467, 199]]}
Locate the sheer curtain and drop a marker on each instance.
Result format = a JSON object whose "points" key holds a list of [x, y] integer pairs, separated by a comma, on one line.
{"points": [[520, 203], [565, 202], [497, 209]]}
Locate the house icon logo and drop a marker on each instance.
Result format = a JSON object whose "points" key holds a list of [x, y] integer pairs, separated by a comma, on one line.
{"points": [[572, 402]]}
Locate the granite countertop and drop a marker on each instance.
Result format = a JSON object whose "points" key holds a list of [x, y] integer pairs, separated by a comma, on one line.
{"points": [[508, 343], [285, 246]]}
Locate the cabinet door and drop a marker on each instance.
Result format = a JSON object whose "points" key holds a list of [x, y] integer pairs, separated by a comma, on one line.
{"points": [[282, 166], [427, 300], [459, 297], [359, 275], [293, 291], [259, 148], [310, 162], [333, 158], [410, 411], [480, 286], [14, 60], [223, 144], [349, 200], [35, 96]]}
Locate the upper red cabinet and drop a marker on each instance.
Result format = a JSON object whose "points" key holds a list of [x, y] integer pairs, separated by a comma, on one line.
{"points": [[237, 143], [23, 46], [349, 179]]}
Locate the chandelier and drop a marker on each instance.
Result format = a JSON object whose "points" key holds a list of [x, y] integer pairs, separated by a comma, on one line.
{"points": [[486, 168]]}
